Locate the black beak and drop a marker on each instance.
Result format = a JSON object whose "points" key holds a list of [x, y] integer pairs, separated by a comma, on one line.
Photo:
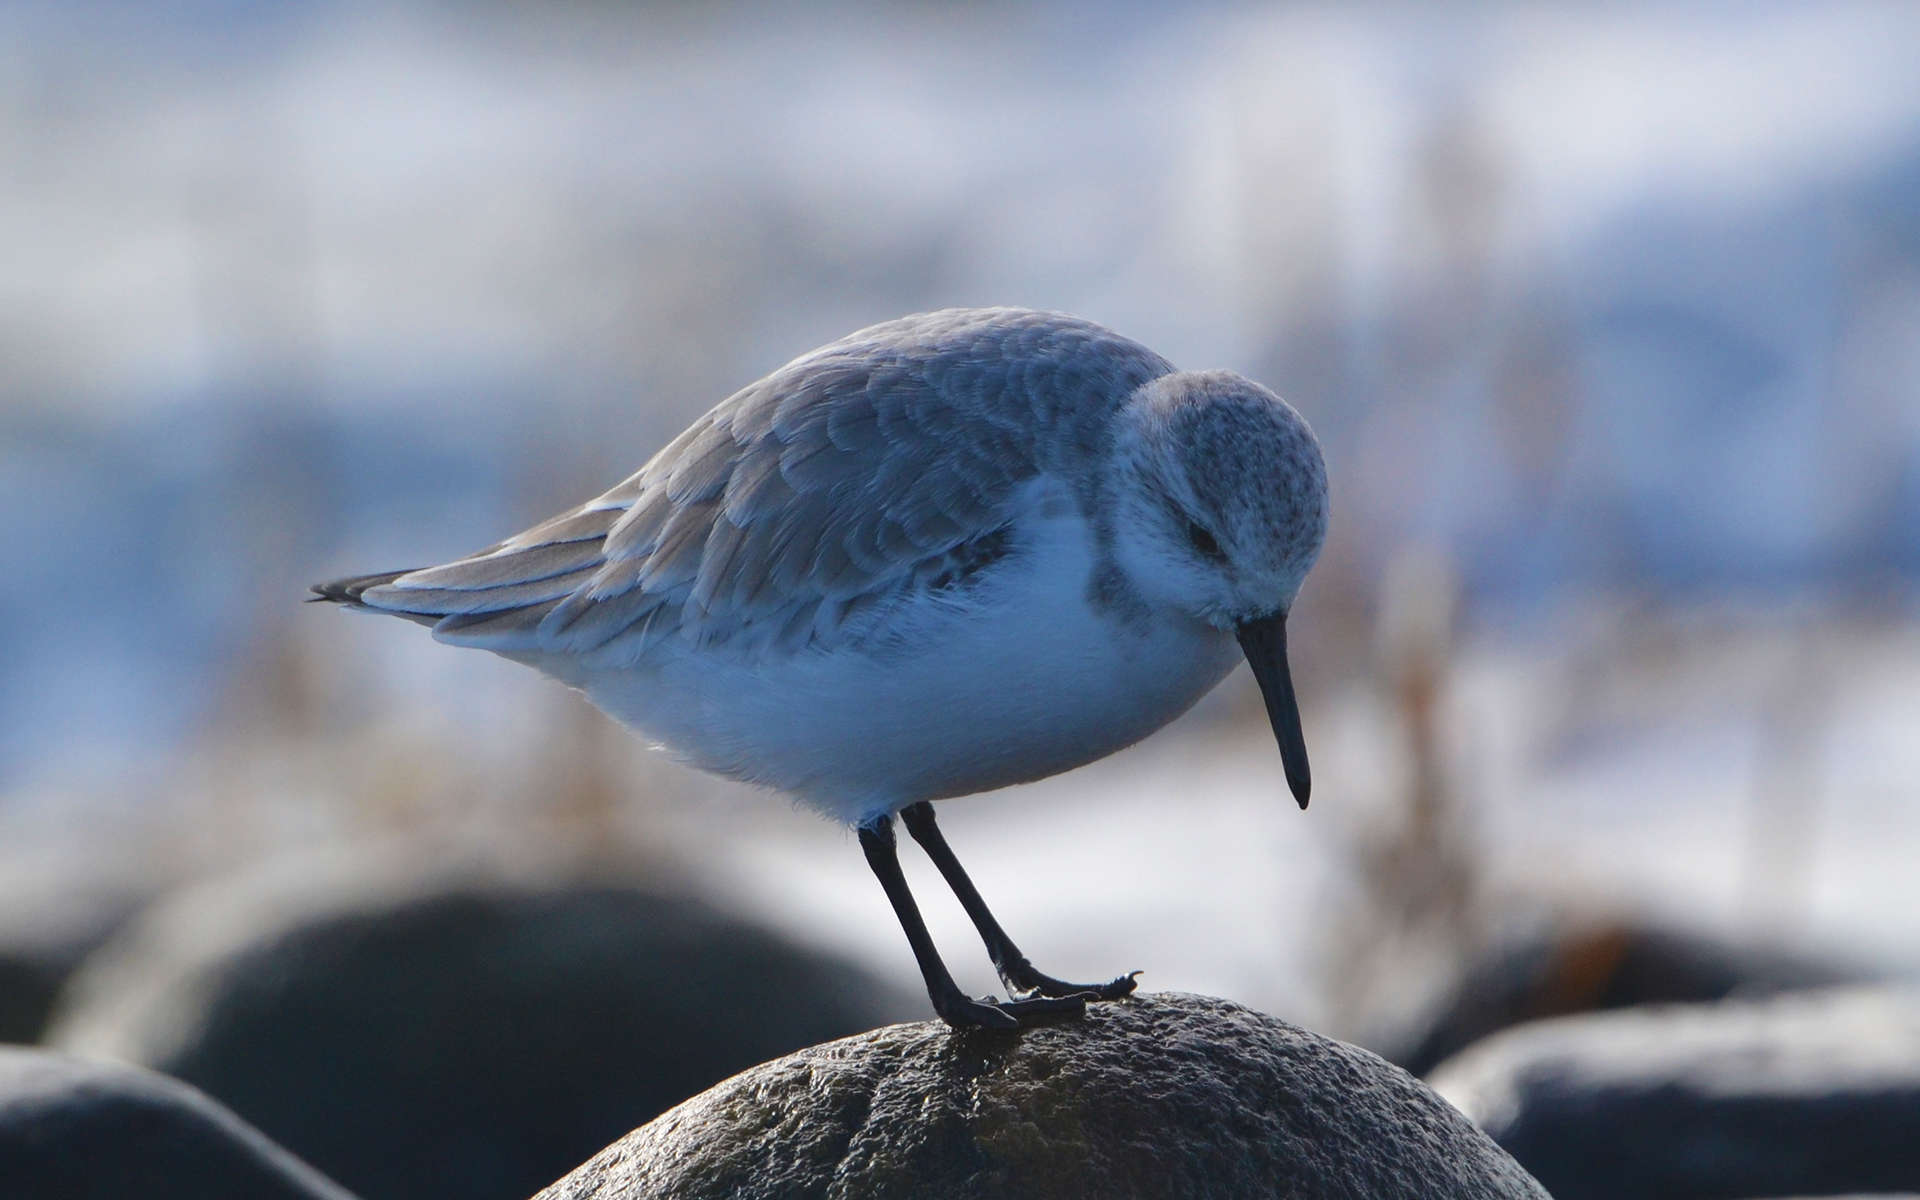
{"points": [[1264, 641]]}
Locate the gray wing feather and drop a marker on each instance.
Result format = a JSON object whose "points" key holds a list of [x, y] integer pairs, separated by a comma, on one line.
{"points": [[509, 567], [497, 598], [805, 499], [501, 630]]}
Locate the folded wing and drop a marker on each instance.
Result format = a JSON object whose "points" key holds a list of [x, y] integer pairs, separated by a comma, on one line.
{"points": [[820, 488]]}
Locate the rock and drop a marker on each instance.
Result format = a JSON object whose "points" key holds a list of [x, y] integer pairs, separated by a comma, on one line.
{"points": [[1816, 1092], [1573, 966], [76, 1130], [57, 905], [1163, 1096], [457, 1035]]}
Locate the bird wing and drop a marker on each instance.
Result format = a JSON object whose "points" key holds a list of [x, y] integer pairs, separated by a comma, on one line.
{"points": [[822, 488]]}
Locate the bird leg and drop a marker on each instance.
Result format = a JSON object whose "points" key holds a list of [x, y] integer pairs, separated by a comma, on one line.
{"points": [[1015, 971], [954, 1007]]}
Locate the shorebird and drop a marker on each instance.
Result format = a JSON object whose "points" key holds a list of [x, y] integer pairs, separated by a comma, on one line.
{"points": [[945, 554]]}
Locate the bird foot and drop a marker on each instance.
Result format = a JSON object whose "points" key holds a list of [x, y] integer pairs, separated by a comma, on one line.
{"points": [[988, 1012], [1021, 979]]}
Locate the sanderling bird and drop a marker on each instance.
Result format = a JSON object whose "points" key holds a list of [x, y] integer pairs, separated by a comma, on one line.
{"points": [[945, 554]]}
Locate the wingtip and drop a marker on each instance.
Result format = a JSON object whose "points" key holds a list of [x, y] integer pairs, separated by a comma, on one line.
{"points": [[348, 590]]}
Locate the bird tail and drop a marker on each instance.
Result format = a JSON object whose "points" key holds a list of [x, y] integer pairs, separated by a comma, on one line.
{"points": [[347, 592]]}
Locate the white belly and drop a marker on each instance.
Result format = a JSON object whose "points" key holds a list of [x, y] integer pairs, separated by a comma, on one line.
{"points": [[1031, 682]]}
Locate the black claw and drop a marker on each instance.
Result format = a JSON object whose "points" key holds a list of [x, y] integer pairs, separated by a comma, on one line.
{"points": [[990, 1013], [1038, 1006], [962, 1013], [1022, 978], [1116, 988]]}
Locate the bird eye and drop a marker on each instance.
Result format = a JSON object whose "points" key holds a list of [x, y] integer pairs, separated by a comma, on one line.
{"points": [[1204, 541]]}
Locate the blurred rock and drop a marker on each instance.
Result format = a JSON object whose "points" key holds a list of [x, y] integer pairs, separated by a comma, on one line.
{"points": [[56, 907], [1560, 968], [75, 1130], [452, 1034], [1164, 1096], [1814, 1093]]}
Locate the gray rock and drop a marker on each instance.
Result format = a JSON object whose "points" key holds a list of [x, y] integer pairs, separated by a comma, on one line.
{"points": [[77, 1130], [57, 906], [1163, 1096], [1817, 1092], [452, 1034], [1569, 966]]}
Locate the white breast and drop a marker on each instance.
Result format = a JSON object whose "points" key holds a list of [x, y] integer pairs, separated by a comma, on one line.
{"points": [[1023, 680]]}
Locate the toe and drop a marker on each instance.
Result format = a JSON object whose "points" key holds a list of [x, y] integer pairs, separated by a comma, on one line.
{"points": [[962, 1013], [1117, 988]]}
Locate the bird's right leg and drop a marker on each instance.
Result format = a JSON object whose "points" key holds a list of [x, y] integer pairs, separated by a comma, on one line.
{"points": [[953, 1005]]}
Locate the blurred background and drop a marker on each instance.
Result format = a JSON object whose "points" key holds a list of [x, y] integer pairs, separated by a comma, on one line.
{"points": [[1608, 318]]}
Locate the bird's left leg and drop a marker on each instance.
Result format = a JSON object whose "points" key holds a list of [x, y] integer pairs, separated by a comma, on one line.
{"points": [[1015, 971]]}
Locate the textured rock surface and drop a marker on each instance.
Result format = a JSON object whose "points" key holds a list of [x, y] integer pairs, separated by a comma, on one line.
{"points": [[1163, 1096], [76, 1130], [458, 1035], [1816, 1093]]}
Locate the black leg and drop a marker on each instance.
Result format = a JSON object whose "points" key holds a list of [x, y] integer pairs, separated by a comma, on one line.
{"points": [[954, 1007], [1015, 971]]}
